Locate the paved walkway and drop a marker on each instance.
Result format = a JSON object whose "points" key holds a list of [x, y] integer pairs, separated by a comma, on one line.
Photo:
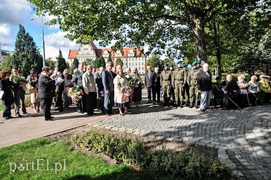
{"points": [[18, 130], [243, 138]]}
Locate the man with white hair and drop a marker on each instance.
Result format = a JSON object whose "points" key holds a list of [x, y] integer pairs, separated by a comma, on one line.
{"points": [[149, 82], [253, 91], [205, 87]]}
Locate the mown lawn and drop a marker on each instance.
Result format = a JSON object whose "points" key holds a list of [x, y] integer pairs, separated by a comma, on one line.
{"points": [[44, 159]]}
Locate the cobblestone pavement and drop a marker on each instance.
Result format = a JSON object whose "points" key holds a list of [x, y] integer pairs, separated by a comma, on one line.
{"points": [[243, 138]]}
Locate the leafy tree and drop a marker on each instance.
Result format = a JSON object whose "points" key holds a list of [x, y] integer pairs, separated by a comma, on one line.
{"points": [[50, 64], [99, 62], [119, 62], [26, 55], [71, 69], [163, 25], [5, 64], [61, 62], [154, 61], [75, 63], [88, 62]]}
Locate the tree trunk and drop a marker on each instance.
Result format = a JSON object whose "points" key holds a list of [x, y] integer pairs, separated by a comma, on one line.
{"points": [[217, 47], [199, 40]]}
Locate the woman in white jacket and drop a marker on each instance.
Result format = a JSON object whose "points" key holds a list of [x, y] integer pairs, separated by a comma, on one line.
{"points": [[121, 92]]}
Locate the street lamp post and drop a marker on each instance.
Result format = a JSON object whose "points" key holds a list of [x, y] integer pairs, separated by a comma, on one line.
{"points": [[43, 42]]}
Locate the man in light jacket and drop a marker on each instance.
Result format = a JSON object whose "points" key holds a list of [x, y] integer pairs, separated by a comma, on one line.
{"points": [[89, 89]]}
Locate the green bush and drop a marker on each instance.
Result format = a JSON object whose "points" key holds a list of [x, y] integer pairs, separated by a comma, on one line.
{"points": [[187, 165]]}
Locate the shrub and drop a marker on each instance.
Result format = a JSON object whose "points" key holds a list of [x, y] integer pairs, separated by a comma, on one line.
{"points": [[187, 165]]}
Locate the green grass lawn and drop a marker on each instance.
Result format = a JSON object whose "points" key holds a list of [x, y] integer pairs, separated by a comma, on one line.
{"points": [[44, 159]]}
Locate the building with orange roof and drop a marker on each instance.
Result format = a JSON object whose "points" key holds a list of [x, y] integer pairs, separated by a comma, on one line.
{"points": [[131, 57]]}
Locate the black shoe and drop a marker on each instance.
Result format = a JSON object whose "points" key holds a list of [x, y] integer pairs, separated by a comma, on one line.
{"points": [[191, 106], [19, 115], [107, 114], [149, 101], [202, 110], [181, 104], [25, 113], [56, 109], [122, 114], [10, 117]]}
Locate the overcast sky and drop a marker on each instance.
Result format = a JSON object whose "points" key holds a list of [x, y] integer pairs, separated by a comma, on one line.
{"points": [[15, 12]]}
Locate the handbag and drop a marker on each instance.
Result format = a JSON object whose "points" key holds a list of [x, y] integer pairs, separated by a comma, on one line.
{"points": [[1, 94], [33, 90]]}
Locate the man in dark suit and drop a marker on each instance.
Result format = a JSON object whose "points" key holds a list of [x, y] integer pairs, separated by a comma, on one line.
{"points": [[149, 82], [107, 78], [78, 83], [156, 86], [46, 92], [205, 87]]}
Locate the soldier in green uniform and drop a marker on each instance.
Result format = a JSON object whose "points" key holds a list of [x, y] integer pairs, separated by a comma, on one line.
{"points": [[165, 81], [193, 84], [172, 93], [178, 80]]}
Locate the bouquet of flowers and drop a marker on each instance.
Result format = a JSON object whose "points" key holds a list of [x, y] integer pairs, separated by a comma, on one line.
{"points": [[75, 93], [132, 80], [18, 79]]}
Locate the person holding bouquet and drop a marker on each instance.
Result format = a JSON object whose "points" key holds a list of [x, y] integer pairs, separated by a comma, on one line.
{"points": [[33, 83], [19, 92], [121, 95]]}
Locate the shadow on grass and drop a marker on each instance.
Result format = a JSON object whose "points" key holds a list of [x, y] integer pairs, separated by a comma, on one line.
{"points": [[123, 174]]}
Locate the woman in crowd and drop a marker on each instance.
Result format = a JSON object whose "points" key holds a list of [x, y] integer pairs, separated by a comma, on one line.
{"points": [[264, 88], [137, 87], [33, 82], [121, 97], [7, 98], [253, 90], [67, 85], [244, 101]]}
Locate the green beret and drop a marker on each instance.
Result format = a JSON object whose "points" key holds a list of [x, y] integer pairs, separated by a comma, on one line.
{"points": [[198, 62], [171, 65], [166, 64], [179, 62], [194, 63], [184, 65]]}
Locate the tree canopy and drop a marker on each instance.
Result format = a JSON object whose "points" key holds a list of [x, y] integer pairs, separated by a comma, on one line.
{"points": [[162, 25], [26, 55], [61, 62]]}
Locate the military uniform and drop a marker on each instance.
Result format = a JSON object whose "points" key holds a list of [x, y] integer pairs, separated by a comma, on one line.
{"points": [[165, 81], [178, 80], [172, 92], [193, 83]]}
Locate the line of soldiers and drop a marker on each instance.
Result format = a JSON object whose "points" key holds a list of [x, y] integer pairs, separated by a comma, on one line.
{"points": [[179, 86]]}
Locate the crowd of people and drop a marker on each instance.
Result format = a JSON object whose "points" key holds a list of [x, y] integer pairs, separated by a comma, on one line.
{"points": [[104, 88], [195, 88]]}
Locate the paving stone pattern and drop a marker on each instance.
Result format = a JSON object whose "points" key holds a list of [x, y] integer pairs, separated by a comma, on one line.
{"points": [[243, 138]]}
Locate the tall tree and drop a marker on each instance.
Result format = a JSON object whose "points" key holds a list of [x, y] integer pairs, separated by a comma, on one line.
{"points": [[75, 63], [119, 62], [99, 62], [26, 55], [61, 62], [163, 25]]}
